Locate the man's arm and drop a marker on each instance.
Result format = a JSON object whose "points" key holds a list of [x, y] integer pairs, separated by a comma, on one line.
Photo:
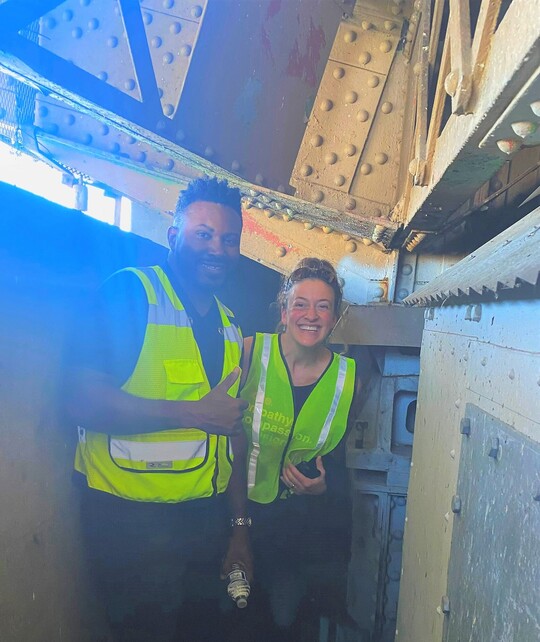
{"points": [[239, 550], [98, 404]]}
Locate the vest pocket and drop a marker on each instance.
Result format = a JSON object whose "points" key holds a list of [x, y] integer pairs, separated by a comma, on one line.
{"points": [[184, 379], [178, 451]]}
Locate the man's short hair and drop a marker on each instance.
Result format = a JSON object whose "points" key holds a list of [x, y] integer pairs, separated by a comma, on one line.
{"points": [[212, 190]]}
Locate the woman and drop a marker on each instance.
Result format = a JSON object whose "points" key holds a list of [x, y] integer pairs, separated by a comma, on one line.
{"points": [[299, 395]]}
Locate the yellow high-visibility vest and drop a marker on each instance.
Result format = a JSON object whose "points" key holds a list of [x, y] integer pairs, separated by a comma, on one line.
{"points": [[171, 465], [275, 438]]}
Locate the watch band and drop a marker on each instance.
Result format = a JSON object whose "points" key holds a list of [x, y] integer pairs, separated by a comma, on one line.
{"points": [[240, 521]]}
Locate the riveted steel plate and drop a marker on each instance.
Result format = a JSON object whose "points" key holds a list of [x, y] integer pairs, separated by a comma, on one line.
{"points": [[494, 572]]}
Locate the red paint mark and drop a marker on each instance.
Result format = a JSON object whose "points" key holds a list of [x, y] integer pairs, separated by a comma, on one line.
{"points": [[273, 8], [304, 64], [252, 226]]}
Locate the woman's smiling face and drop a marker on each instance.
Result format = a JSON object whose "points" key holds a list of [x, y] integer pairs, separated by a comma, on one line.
{"points": [[310, 313]]}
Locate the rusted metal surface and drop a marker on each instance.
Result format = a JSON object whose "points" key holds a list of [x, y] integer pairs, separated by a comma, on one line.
{"points": [[511, 260]]}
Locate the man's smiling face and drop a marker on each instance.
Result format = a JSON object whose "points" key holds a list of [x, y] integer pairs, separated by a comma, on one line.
{"points": [[206, 246]]}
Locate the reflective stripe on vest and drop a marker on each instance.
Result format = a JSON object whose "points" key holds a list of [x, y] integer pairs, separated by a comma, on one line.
{"points": [[275, 437], [172, 465]]}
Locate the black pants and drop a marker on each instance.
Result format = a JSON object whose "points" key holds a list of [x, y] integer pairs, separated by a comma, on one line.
{"points": [[140, 553]]}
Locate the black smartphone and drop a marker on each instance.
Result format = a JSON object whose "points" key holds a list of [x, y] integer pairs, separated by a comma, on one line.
{"points": [[309, 469]]}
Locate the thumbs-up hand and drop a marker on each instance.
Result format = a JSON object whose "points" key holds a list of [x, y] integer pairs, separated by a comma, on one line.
{"points": [[219, 413]]}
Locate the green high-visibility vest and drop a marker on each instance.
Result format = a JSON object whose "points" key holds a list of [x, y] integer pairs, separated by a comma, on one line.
{"points": [[171, 465], [275, 438]]}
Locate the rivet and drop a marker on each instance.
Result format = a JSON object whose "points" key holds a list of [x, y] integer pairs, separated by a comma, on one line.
{"points": [[168, 4], [386, 107], [103, 75], [169, 164], [403, 293], [196, 12], [395, 11], [306, 170], [326, 105], [512, 374], [331, 159], [364, 58], [445, 604], [373, 81], [351, 246], [103, 129], [129, 84], [484, 361], [316, 141], [318, 196], [362, 115], [366, 25], [350, 204], [168, 58], [453, 453], [367, 241], [456, 504], [77, 33], [346, 237], [235, 166], [175, 28], [465, 426], [507, 146], [161, 124], [524, 128], [168, 109], [365, 169], [350, 150], [130, 140], [67, 15], [259, 179], [338, 73], [389, 25], [351, 97], [269, 213], [281, 188], [385, 46], [112, 42], [93, 24], [535, 106], [50, 23], [84, 3], [381, 158], [451, 83], [417, 68], [339, 180], [377, 212], [70, 120], [147, 17], [185, 50], [156, 42], [495, 450], [87, 139], [327, 230], [180, 135], [457, 403], [281, 251], [115, 148], [350, 36], [287, 217], [308, 225], [406, 269], [208, 151]]}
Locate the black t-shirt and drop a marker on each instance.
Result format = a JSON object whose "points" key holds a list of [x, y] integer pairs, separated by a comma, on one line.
{"points": [[112, 335]]}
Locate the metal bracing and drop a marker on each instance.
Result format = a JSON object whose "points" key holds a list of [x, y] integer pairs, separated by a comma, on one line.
{"points": [[482, 72]]}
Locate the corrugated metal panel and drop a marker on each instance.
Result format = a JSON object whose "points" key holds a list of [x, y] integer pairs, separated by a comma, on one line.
{"points": [[508, 261]]}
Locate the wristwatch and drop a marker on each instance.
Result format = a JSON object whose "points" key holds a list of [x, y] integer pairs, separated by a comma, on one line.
{"points": [[240, 521]]}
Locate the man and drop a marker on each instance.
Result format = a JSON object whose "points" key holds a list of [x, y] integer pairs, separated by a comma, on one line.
{"points": [[156, 402]]}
